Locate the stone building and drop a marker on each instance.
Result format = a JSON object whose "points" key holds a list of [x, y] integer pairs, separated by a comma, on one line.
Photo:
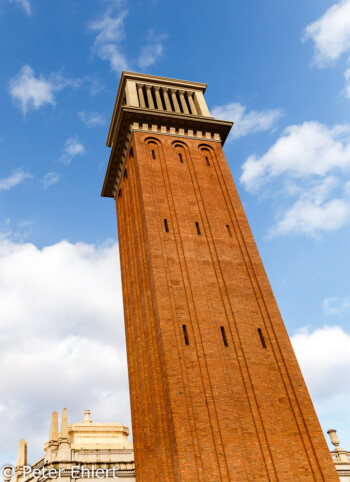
{"points": [[80, 451]]}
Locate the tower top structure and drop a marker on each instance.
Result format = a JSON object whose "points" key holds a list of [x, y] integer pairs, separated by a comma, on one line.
{"points": [[159, 105]]}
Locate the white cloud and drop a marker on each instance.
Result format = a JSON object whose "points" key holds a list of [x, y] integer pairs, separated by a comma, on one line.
{"points": [[303, 150], [312, 213], [33, 92], [110, 31], [311, 162], [336, 306], [25, 4], [92, 119], [324, 357], [246, 123], [307, 217], [72, 148], [49, 179], [330, 33], [62, 339], [17, 177]]}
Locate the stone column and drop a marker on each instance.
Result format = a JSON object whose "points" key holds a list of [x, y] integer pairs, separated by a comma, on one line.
{"points": [[141, 97], [158, 99], [63, 452], [52, 445], [21, 461], [190, 101], [175, 102], [183, 102], [166, 99], [149, 97]]}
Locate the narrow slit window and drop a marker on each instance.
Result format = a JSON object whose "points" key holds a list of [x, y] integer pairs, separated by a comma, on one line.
{"points": [[207, 160], [262, 339], [229, 230], [153, 154], [224, 335], [166, 225], [131, 153], [120, 193], [198, 229], [125, 174], [184, 328], [180, 157]]}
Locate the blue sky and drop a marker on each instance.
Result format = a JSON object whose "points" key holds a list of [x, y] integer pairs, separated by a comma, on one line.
{"points": [[280, 70]]}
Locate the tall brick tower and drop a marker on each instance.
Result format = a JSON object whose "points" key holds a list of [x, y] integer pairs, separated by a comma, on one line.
{"points": [[216, 390]]}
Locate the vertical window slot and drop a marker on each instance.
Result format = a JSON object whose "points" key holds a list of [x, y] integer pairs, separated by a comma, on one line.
{"points": [[153, 154], [198, 229], [229, 230], [184, 328], [125, 174], [166, 225], [180, 157], [207, 160], [224, 335], [131, 153], [262, 339], [120, 193]]}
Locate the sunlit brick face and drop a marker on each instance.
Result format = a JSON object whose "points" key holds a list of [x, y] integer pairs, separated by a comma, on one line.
{"points": [[216, 391]]}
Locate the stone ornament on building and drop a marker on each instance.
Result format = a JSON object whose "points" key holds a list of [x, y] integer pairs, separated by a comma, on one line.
{"points": [[341, 457]]}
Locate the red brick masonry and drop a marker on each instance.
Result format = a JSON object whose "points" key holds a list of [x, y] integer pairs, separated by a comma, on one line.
{"points": [[222, 407]]}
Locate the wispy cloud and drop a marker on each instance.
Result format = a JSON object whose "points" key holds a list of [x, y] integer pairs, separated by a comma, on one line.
{"points": [[94, 84], [314, 212], [92, 119], [336, 305], [49, 179], [246, 122], [347, 83], [17, 177], [152, 51], [330, 33], [110, 31], [34, 92], [24, 4], [309, 162], [72, 148]]}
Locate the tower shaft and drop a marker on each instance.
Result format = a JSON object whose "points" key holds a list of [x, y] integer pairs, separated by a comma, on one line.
{"points": [[216, 391]]}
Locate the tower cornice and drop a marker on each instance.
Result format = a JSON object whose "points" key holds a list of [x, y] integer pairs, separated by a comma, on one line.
{"points": [[181, 111]]}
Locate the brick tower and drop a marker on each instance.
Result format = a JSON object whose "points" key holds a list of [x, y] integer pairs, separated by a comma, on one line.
{"points": [[216, 391]]}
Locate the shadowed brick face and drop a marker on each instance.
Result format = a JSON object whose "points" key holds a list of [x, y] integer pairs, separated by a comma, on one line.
{"points": [[216, 390]]}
